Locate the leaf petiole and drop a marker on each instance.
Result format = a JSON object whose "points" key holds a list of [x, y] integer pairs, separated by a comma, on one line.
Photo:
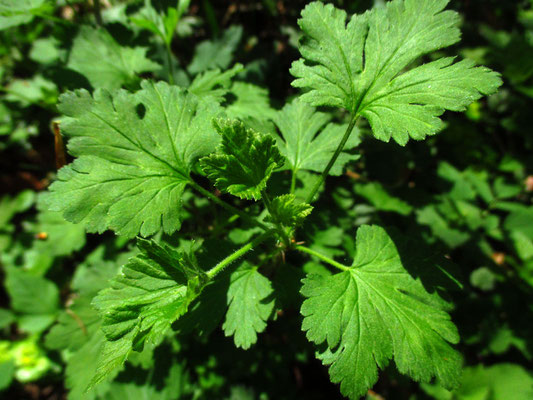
{"points": [[239, 253], [227, 206], [334, 157], [322, 257], [293, 180]]}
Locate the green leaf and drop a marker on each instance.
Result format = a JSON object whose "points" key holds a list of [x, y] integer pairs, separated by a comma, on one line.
{"points": [[244, 161], [74, 326], [153, 290], [82, 366], [309, 140], [145, 385], [9, 207], [78, 328], [440, 227], [130, 166], [214, 83], [216, 53], [37, 90], [115, 65], [46, 50], [13, 13], [376, 195], [520, 220], [287, 211], [522, 244], [59, 237], [499, 381], [6, 318], [360, 66], [251, 101], [7, 373], [33, 298], [376, 310], [250, 304]]}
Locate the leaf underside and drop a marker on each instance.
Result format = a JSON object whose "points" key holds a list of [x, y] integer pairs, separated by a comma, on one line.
{"points": [[151, 292]]}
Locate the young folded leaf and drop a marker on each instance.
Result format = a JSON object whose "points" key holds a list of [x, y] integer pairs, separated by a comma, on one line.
{"points": [[303, 145], [250, 304], [152, 291], [359, 66], [135, 152], [286, 211], [376, 310], [244, 160]]}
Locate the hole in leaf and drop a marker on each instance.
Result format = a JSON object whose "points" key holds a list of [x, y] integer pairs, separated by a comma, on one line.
{"points": [[140, 110]]}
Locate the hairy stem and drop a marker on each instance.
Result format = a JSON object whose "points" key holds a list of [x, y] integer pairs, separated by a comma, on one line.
{"points": [[227, 206], [280, 229], [334, 157], [239, 253], [322, 257]]}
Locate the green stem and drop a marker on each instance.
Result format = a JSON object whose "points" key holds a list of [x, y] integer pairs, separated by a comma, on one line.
{"points": [[266, 200], [170, 64], [281, 230], [239, 253], [293, 181], [227, 206], [322, 257], [334, 157]]}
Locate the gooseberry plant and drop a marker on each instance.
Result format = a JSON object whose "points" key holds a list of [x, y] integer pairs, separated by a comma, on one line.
{"points": [[139, 156]]}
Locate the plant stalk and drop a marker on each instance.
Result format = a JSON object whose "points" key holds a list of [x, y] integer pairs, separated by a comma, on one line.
{"points": [[268, 206], [239, 253], [340, 147], [322, 257], [227, 206], [293, 181]]}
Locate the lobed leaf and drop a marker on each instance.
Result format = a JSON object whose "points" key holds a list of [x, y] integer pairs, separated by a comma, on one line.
{"points": [[375, 311], [135, 153], [309, 139], [250, 304], [153, 290], [287, 211], [216, 53], [358, 66], [104, 62], [244, 161], [214, 83]]}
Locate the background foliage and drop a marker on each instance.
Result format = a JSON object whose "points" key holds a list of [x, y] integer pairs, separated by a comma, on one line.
{"points": [[465, 193]]}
